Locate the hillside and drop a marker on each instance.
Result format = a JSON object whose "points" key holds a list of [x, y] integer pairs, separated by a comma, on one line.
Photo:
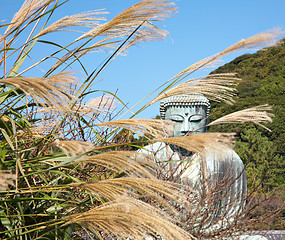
{"points": [[263, 82]]}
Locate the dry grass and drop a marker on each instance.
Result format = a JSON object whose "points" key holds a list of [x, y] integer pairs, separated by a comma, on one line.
{"points": [[95, 111], [85, 19], [130, 26], [157, 191], [256, 115], [151, 128], [52, 91], [124, 161], [101, 105], [28, 8], [6, 179], [135, 21], [216, 87], [128, 218], [202, 142], [74, 148], [259, 40], [123, 216], [209, 214], [124, 23], [266, 211]]}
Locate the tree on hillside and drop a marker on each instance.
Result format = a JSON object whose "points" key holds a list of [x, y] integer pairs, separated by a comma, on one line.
{"points": [[64, 170], [263, 82], [264, 166]]}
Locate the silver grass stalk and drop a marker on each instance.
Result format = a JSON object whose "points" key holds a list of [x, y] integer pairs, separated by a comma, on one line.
{"points": [[151, 128], [74, 148], [126, 22], [216, 87], [85, 19], [260, 40], [150, 33], [26, 10], [155, 189], [264, 39], [52, 91], [121, 27], [43, 127], [99, 105], [200, 143], [257, 115], [132, 163], [128, 218]]}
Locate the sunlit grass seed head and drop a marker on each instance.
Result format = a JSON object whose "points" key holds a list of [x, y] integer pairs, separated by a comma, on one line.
{"points": [[216, 87], [123, 218], [86, 19], [52, 91], [258, 115], [27, 9], [151, 128], [141, 13]]}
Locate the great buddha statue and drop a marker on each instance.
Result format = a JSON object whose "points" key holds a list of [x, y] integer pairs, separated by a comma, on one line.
{"points": [[223, 177]]}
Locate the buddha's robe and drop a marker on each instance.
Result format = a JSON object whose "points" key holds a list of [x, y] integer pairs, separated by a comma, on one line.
{"points": [[220, 173]]}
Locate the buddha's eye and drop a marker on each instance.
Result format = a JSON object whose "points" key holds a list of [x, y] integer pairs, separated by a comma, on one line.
{"points": [[176, 118], [196, 118]]}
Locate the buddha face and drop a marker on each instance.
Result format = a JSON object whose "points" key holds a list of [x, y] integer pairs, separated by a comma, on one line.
{"points": [[187, 119]]}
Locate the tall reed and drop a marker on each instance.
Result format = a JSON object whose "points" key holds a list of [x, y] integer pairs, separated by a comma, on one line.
{"points": [[60, 176]]}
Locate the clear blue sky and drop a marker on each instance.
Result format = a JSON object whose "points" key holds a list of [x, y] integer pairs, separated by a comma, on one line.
{"points": [[198, 30]]}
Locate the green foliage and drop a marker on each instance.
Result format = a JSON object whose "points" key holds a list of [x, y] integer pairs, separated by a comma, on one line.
{"points": [[264, 166], [48, 125], [59, 173], [263, 82]]}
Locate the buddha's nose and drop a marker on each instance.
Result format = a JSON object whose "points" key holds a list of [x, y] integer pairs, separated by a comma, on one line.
{"points": [[185, 125]]}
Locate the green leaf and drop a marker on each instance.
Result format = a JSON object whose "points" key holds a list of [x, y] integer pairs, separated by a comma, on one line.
{"points": [[7, 138], [69, 233], [56, 208], [6, 222]]}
